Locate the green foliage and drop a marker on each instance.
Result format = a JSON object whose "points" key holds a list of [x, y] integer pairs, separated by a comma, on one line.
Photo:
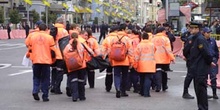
{"points": [[14, 16], [2, 19], [36, 16], [51, 17]]}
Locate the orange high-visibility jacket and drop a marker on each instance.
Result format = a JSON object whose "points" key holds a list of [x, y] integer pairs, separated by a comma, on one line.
{"points": [[61, 32], [163, 54], [27, 42], [129, 58], [41, 45], [150, 36], [144, 57], [135, 41], [94, 45], [106, 43]]}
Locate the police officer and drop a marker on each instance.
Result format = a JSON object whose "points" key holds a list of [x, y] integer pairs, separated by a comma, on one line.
{"points": [[213, 49], [188, 79], [200, 61]]}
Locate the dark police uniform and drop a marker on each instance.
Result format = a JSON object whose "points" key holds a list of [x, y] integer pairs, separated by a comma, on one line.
{"points": [[199, 61], [213, 49]]}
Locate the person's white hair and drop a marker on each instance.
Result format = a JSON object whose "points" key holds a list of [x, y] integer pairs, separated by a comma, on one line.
{"points": [[60, 20]]}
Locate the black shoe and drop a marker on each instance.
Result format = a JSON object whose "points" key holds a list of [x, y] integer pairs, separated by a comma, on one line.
{"points": [[215, 96], [82, 99], [45, 100], [209, 96], [124, 94], [52, 90], [36, 97], [91, 87], [58, 92], [187, 96], [68, 92], [165, 88], [107, 89], [74, 99], [118, 94], [157, 90]]}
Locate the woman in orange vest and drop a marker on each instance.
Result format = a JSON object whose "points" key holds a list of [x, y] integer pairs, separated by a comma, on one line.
{"points": [[109, 70], [75, 59], [133, 75], [145, 64], [93, 44]]}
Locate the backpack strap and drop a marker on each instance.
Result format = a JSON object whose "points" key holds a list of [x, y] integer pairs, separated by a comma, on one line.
{"points": [[119, 39], [87, 50]]}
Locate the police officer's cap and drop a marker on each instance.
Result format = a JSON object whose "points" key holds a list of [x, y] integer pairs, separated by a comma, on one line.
{"points": [[195, 24], [38, 23], [206, 30]]}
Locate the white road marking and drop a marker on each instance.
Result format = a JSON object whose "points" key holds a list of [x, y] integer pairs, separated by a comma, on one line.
{"points": [[20, 67], [179, 71], [101, 77], [19, 73], [183, 76], [13, 47], [5, 66]]}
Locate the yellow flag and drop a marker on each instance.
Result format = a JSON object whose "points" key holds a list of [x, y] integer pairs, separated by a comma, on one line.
{"points": [[106, 4], [97, 1], [90, 1], [88, 10], [28, 2], [76, 9], [98, 10], [45, 2], [106, 13], [65, 5]]}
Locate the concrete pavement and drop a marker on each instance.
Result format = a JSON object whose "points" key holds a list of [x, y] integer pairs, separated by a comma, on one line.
{"points": [[16, 87]]}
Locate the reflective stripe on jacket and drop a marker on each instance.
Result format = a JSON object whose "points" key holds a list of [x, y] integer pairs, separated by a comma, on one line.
{"points": [[144, 57]]}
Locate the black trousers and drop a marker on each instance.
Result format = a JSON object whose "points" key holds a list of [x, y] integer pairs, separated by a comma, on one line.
{"points": [[102, 34], [200, 86], [187, 81], [109, 78], [91, 78]]}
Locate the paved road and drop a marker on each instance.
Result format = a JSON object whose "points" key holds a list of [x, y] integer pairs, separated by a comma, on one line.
{"points": [[16, 87]]}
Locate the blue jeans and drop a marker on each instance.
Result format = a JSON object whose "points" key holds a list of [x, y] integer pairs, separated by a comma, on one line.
{"points": [[145, 81], [133, 79], [41, 78], [120, 77], [213, 73], [77, 83]]}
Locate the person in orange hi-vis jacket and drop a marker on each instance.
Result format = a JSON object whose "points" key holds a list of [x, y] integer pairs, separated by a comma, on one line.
{"points": [[163, 56], [28, 54], [73, 28], [145, 64], [59, 70], [133, 77], [105, 46], [93, 44], [121, 67], [41, 45], [76, 76], [149, 31]]}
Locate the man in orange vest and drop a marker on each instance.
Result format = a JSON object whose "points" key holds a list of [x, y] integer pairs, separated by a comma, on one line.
{"points": [[59, 70], [41, 45], [163, 56]]}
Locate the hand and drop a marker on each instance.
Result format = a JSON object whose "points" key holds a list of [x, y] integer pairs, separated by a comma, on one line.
{"points": [[172, 62], [213, 64], [130, 67]]}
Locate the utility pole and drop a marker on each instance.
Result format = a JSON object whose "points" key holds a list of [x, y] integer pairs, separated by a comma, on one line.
{"points": [[167, 9], [28, 17], [66, 12], [46, 10]]}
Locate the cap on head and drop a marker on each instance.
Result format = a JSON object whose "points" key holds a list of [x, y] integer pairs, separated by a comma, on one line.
{"points": [[161, 29], [195, 24], [38, 23], [206, 30]]}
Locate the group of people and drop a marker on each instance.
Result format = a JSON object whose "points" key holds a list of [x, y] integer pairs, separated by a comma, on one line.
{"points": [[201, 54], [138, 59]]}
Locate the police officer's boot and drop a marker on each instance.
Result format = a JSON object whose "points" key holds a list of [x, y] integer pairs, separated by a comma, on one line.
{"points": [[214, 93], [118, 94], [186, 95]]}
